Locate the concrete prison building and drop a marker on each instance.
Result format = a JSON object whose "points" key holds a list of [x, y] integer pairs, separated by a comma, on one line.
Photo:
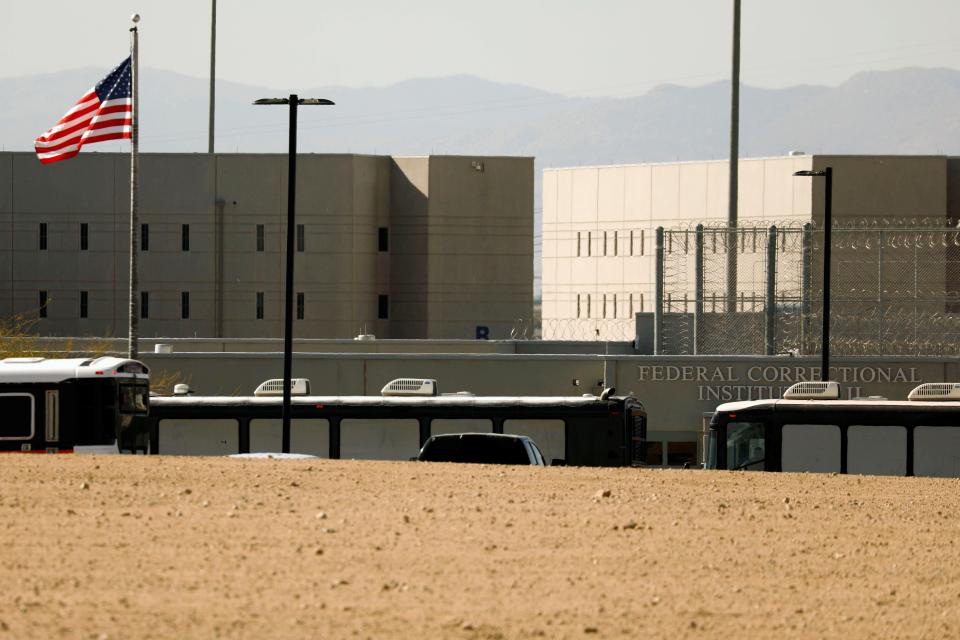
{"points": [[405, 247], [599, 233]]}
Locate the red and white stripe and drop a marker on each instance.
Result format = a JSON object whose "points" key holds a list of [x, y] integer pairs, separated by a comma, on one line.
{"points": [[87, 122]]}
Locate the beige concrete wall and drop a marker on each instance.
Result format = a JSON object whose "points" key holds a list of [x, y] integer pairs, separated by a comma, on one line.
{"points": [[584, 205], [480, 226], [480, 270]]}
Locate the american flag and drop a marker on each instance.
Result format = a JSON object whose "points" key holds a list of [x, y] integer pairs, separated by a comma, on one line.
{"points": [[103, 113]]}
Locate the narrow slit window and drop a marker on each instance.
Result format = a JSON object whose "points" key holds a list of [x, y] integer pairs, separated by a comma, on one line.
{"points": [[42, 300], [144, 304], [84, 236], [301, 238], [383, 239], [144, 237], [260, 237], [259, 305], [184, 305], [301, 305], [383, 307], [43, 236], [83, 304], [185, 237]]}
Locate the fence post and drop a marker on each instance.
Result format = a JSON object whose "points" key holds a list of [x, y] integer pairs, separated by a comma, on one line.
{"points": [[806, 250], [658, 297], [771, 303], [880, 348], [698, 293]]}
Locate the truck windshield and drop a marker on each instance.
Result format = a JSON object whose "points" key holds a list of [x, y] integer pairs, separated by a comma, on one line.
{"points": [[475, 448]]}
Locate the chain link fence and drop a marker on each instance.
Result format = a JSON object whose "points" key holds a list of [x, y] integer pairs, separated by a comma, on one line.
{"points": [[894, 290]]}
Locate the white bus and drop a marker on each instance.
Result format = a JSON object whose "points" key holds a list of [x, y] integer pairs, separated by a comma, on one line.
{"points": [[75, 404], [810, 429]]}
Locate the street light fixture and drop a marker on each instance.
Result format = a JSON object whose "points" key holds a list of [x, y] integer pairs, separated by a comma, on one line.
{"points": [[294, 101], [826, 173]]}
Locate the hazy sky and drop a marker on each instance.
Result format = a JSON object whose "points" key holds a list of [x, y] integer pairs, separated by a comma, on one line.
{"points": [[575, 47]]}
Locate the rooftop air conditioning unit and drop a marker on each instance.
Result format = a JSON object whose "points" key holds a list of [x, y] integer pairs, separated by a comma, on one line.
{"points": [[813, 391], [298, 387], [936, 391], [410, 387]]}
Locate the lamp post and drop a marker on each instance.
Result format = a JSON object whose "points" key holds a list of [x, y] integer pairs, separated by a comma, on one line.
{"points": [[294, 102], [826, 173]]}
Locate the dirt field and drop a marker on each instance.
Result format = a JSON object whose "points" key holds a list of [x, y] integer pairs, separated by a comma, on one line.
{"points": [[124, 547]]}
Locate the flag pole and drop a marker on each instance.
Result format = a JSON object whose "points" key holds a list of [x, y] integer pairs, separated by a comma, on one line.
{"points": [[132, 337]]}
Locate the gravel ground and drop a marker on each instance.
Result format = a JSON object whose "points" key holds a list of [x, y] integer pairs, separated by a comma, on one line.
{"points": [[164, 547]]}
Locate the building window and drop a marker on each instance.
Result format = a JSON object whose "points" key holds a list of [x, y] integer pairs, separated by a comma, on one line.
{"points": [[578, 244], [43, 304], [301, 237], [604, 312], [383, 239], [614, 305], [84, 236], [589, 243], [616, 235], [301, 305], [144, 237], [383, 307], [588, 305], [185, 237], [43, 236], [631, 305], [144, 304], [604, 243], [642, 234], [184, 305], [631, 242], [83, 304], [578, 305], [260, 230], [259, 305]]}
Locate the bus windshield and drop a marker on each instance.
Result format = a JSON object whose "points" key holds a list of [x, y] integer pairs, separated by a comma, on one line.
{"points": [[134, 398], [745, 445]]}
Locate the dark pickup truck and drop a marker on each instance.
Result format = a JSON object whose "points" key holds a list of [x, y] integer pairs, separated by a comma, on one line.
{"points": [[481, 448]]}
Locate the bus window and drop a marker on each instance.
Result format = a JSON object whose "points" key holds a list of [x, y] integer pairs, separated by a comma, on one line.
{"points": [[811, 447], [746, 445], [309, 436], [379, 439], [549, 435], [201, 437], [877, 450], [936, 452], [16, 416], [439, 426]]}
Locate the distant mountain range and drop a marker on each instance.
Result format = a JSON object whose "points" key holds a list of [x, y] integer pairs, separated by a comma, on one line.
{"points": [[904, 111], [908, 111]]}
